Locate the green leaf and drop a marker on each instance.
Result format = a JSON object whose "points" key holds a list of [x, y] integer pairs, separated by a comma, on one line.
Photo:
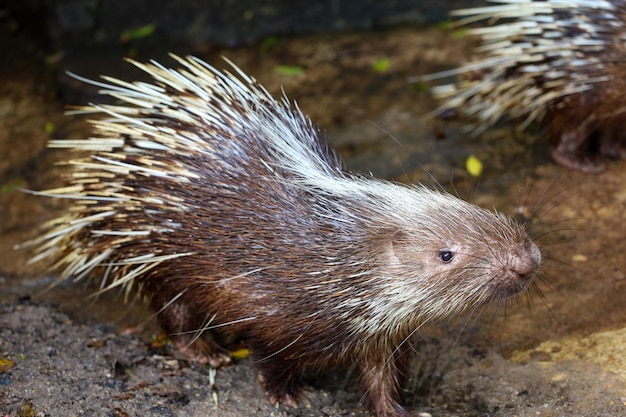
{"points": [[139, 33], [268, 44], [444, 24], [49, 127], [460, 33], [290, 70], [381, 65], [421, 87], [16, 184]]}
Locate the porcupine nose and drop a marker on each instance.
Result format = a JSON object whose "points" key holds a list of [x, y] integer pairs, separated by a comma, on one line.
{"points": [[524, 261], [519, 266]]}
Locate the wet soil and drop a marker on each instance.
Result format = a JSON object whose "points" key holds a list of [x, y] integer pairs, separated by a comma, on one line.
{"points": [[560, 351]]}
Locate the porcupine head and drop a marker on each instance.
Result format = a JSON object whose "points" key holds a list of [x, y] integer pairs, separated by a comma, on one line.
{"points": [[229, 211]]}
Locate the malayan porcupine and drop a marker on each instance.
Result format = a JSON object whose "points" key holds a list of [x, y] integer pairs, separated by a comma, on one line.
{"points": [[229, 211], [560, 62]]}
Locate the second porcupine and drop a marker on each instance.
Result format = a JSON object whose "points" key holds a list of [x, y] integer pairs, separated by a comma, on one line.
{"points": [[560, 62], [229, 211]]}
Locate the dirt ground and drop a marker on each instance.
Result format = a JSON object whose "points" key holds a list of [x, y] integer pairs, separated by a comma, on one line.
{"points": [[561, 353]]}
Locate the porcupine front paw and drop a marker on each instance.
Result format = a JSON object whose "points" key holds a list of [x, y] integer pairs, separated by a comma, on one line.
{"points": [[572, 151], [382, 377], [279, 379], [203, 350], [281, 392], [586, 164], [187, 331]]}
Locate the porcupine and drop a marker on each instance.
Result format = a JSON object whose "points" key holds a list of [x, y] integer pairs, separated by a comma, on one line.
{"points": [[229, 211], [560, 62]]}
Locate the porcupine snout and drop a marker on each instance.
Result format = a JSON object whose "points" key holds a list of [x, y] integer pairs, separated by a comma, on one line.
{"points": [[522, 264]]}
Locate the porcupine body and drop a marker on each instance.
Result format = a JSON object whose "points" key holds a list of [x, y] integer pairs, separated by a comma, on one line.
{"points": [[562, 63], [231, 214]]}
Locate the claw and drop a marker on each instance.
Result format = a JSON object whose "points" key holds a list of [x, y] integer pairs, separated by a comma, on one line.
{"points": [[202, 352], [289, 399]]}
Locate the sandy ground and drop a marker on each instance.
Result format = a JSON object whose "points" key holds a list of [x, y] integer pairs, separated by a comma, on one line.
{"points": [[559, 354]]}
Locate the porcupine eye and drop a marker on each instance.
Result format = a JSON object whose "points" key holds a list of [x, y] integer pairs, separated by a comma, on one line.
{"points": [[446, 256]]}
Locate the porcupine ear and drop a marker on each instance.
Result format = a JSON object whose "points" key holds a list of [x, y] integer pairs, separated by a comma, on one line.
{"points": [[399, 248]]}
